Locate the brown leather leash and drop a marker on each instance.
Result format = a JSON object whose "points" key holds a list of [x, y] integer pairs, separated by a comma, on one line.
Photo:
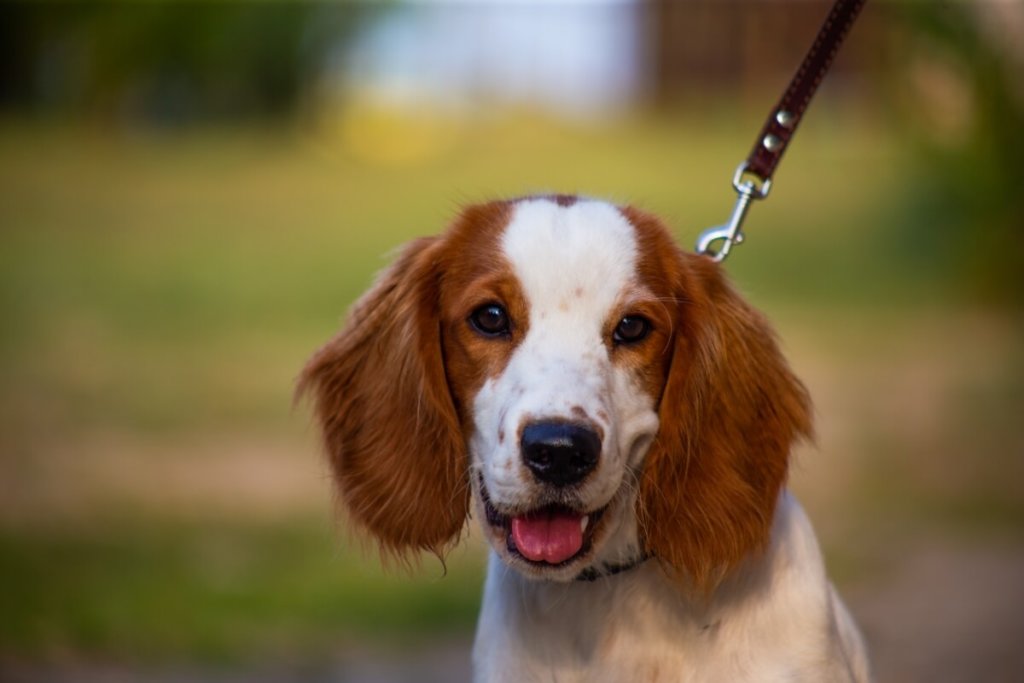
{"points": [[753, 177]]}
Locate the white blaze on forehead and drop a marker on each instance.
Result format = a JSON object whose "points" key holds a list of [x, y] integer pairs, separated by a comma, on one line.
{"points": [[577, 258]]}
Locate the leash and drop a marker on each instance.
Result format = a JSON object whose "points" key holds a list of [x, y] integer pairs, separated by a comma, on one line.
{"points": [[753, 178]]}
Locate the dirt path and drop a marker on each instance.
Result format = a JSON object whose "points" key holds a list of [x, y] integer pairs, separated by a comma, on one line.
{"points": [[446, 662], [947, 614]]}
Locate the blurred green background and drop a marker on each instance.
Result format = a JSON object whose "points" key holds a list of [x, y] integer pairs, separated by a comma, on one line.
{"points": [[191, 194]]}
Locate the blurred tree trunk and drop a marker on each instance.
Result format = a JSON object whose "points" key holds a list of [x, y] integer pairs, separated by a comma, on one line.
{"points": [[709, 47]]}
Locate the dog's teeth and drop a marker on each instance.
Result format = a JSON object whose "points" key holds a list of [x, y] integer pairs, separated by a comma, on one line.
{"points": [[584, 522]]}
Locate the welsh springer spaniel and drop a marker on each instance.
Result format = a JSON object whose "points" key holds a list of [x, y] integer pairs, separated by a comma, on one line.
{"points": [[619, 420]]}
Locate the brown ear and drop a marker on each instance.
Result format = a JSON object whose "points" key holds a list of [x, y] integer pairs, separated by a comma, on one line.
{"points": [[383, 404], [730, 412]]}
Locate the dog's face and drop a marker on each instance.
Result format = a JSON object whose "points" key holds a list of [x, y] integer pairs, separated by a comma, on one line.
{"points": [[599, 393], [557, 359]]}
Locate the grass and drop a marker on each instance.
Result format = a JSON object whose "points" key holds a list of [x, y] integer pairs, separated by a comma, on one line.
{"points": [[151, 592], [160, 292]]}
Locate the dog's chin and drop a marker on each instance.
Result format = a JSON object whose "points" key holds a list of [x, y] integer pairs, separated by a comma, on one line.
{"points": [[497, 526]]}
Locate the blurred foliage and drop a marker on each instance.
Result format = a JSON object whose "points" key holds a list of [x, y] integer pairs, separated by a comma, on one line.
{"points": [[965, 114], [168, 62]]}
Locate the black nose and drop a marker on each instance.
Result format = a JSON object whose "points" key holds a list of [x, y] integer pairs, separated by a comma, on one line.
{"points": [[559, 453]]}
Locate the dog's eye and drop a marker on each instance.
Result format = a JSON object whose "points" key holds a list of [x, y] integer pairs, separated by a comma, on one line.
{"points": [[490, 320], [631, 329]]}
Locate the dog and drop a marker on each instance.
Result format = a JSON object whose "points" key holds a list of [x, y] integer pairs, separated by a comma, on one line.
{"points": [[620, 422]]}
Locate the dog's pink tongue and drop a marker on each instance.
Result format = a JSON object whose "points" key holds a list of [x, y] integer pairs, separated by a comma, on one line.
{"points": [[551, 536]]}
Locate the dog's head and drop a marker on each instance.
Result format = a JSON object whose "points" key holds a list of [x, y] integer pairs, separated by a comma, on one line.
{"points": [[593, 392]]}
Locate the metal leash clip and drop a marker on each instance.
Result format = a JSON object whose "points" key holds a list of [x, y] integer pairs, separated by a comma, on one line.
{"points": [[732, 232]]}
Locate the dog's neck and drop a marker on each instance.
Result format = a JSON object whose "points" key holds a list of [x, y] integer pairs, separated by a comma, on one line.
{"points": [[603, 629], [546, 630]]}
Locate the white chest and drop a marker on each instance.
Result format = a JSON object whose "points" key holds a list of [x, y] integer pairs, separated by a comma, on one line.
{"points": [[778, 620]]}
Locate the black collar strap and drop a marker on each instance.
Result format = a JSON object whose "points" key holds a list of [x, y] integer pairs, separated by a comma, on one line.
{"points": [[593, 573]]}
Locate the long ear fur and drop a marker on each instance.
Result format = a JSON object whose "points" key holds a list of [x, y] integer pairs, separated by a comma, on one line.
{"points": [[383, 404], [730, 412]]}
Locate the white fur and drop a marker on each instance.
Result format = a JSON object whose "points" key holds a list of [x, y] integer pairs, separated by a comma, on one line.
{"points": [[776, 619]]}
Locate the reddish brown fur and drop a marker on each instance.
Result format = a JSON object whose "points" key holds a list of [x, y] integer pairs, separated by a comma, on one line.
{"points": [[389, 426], [648, 361], [471, 358], [393, 430], [476, 273], [730, 412]]}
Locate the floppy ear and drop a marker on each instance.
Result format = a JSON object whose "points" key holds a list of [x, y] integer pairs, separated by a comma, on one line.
{"points": [[383, 405], [730, 412]]}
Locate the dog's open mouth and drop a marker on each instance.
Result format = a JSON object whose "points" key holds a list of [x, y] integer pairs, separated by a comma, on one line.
{"points": [[550, 536]]}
